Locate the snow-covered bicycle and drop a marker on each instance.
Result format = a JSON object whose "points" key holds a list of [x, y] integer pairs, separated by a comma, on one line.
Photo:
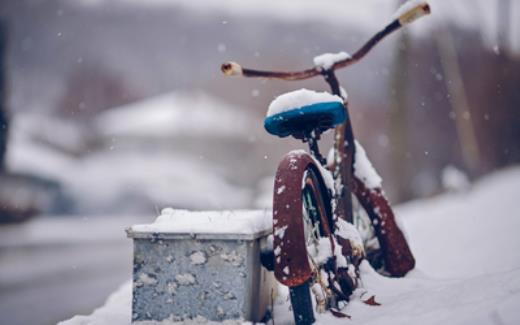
{"points": [[319, 237]]}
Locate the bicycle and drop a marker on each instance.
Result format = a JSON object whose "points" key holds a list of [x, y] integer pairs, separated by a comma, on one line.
{"points": [[316, 247]]}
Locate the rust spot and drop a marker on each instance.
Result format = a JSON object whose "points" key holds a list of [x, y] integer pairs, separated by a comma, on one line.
{"points": [[426, 8], [225, 68]]}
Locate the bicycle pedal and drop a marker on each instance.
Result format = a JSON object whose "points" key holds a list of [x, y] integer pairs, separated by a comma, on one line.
{"points": [[267, 259]]}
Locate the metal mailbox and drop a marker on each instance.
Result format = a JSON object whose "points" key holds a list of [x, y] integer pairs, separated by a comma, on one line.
{"points": [[195, 268]]}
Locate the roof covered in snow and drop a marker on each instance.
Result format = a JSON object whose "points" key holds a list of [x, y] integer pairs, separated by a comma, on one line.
{"points": [[176, 114]]}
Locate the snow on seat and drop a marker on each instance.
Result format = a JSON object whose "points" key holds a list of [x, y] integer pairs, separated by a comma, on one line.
{"points": [[302, 111]]}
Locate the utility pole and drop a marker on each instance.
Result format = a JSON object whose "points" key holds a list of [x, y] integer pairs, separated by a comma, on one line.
{"points": [[398, 127], [459, 101], [4, 118], [503, 24]]}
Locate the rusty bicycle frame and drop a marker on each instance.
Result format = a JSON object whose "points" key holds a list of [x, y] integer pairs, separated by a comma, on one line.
{"points": [[396, 253]]}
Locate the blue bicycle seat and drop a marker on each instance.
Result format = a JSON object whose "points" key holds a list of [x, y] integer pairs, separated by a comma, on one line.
{"points": [[303, 120]]}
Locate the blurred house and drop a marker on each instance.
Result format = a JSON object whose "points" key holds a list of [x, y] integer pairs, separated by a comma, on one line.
{"points": [[162, 151]]}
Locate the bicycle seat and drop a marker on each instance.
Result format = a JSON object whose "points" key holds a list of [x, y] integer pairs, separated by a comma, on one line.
{"points": [[300, 112]]}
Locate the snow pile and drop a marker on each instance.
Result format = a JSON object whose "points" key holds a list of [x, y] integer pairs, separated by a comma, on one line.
{"points": [[327, 60], [454, 179], [467, 233], [348, 231], [364, 170], [115, 311], [467, 272], [208, 222], [299, 98]]}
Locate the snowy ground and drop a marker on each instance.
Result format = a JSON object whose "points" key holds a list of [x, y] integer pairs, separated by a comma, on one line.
{"points": [[468, 271], [53, 267]]}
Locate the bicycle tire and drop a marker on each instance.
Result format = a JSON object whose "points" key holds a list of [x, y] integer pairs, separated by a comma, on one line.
{"points": [[316, 205], [301, 303]]}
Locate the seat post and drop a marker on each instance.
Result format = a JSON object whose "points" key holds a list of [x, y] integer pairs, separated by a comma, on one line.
{"points": [[312, 138]]}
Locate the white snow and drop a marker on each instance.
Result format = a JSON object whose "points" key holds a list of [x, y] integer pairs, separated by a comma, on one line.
{"points": [[349, 231], [233, 257], [178, 114], [116, 310], [343, 93], [320, 251], [185, 279], [330, 157], [208, 222], [299, 98], [280, 231], [454, 179], [364, 170], [198, 258], [146, 279], [341, 261], [327, 60], [408, 5], [468, 267]]}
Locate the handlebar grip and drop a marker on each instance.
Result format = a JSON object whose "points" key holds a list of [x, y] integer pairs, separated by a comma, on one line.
{"points": [[231, 69], [416, 12]]}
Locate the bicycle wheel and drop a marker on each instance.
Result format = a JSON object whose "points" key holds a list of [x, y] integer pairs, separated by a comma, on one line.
{"points": [[317, 220]]}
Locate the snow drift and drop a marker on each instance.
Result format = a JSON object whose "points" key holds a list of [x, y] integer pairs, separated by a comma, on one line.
{"points": [[468, 271]]}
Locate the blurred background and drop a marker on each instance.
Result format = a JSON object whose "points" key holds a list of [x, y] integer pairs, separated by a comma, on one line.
{"points": [[113, 109]]}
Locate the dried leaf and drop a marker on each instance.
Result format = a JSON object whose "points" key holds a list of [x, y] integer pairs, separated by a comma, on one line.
{"points": [[372, 301], [339, 314]]}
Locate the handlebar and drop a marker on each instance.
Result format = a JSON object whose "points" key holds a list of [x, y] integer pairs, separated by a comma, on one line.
{"points": [[409, 16]]}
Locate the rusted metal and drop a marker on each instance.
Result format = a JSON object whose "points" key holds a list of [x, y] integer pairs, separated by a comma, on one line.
{"points": [[344, 151], [397, 255], [314, 71], [292, 265]]}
